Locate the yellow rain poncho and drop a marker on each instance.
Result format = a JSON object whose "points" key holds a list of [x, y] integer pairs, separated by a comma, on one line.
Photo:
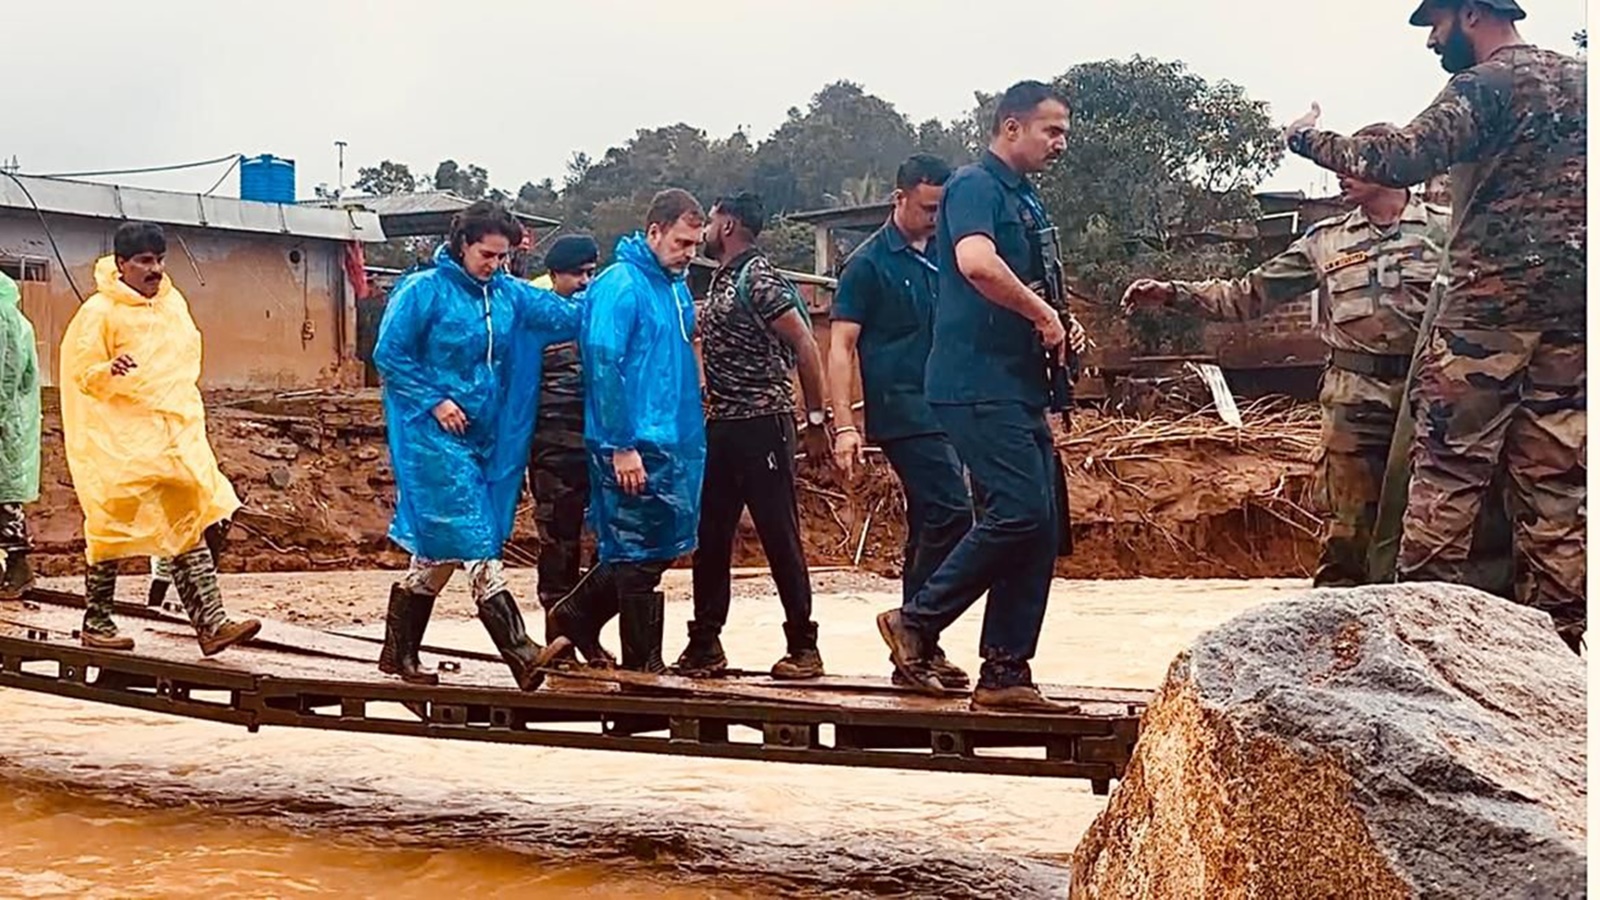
{"points": [[136, 443]]}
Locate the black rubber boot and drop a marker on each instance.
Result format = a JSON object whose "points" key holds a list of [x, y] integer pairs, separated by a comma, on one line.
{"points": [[581, 614], [407, 619], [1573, 638], [216, 538], [642, 621], [18, 576], [158, 592], [802, 659], [523, 655], [704, 657]]}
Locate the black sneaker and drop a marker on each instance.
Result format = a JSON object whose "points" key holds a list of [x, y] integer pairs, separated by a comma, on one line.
{"points": [[703, 658], [17, 576]]}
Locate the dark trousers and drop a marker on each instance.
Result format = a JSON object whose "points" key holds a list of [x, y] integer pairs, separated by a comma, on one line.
{"points": [[1011, 551], [750, 462], [938, 508], [560, 477]]}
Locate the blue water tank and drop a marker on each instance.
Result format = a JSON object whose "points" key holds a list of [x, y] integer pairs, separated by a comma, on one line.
{"points": [[266, 179]]}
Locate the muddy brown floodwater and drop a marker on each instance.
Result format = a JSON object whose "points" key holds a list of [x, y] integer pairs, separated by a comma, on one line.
{"points": [[101, 802]]}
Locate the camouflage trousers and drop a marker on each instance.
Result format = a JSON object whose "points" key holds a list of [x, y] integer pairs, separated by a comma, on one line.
{"points": [[485, 577], [560, 477], [194, 574], [1358, 425], [1358, 421], [1511, 405]]}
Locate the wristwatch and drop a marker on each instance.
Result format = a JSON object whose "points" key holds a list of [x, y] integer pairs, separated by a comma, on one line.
{"points": [[816, 417]]}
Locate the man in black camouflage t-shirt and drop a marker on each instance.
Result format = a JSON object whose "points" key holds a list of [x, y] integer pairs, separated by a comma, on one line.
{"points": [[752, 335]]}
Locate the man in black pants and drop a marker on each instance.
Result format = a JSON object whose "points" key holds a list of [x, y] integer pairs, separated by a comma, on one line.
{"points": [[883, 317], [753, 332], [559, 470], [986, 381]]}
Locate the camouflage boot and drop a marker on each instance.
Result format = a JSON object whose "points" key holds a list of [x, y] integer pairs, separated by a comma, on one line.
{"points": [[100, 596], [195, 577]]}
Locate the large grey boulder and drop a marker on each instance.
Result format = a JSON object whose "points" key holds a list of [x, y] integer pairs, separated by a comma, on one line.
{"points": [[1417, 740]]}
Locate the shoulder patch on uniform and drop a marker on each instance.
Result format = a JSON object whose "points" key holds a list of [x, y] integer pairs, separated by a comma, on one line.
{"points": [[1320, 224]]}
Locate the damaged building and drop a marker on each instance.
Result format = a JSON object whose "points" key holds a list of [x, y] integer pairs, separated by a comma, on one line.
{"points": [[272, 286]]}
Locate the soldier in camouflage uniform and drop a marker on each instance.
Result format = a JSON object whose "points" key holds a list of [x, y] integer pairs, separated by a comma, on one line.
{"points": [[1501, 383], [1372, 269], [560, 466]]}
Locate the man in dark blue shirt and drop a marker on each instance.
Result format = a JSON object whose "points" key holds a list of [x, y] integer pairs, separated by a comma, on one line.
{"points": [[882, 318], [987, 385]]}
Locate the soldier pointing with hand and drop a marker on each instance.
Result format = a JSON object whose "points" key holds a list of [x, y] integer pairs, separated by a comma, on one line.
{"points": [[1500, 391], [1372, 269]]}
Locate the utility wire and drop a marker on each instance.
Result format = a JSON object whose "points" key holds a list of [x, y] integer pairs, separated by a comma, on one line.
{"points": [[224, 176], [47, 233], [234, 157]]}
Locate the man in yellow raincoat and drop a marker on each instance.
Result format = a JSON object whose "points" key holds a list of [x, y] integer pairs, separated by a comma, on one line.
{"points": [[136, 444]]}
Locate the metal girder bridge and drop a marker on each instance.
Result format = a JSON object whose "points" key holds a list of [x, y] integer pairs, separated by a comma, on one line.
{"points": [[305, 678]]}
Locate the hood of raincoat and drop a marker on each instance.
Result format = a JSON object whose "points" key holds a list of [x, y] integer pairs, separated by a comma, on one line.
{"points": [[634, 250], [108, 281], [642, 392], [19, 400]]}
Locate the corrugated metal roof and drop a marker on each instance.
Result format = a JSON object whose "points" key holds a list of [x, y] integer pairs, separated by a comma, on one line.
{"points": [[864, 211], [112, 201], [422, 202]]}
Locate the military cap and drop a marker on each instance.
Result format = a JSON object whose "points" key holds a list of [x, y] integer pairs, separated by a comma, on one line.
{"points": [[1508, 7]]}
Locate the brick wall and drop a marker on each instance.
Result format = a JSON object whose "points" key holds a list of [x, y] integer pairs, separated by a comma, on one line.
{"points": [[1290, 318]]}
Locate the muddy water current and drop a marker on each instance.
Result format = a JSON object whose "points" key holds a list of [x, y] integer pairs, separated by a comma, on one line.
{"points": [[101, 802]]}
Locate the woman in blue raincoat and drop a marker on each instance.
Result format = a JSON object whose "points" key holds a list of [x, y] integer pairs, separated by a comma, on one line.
{"points": [[459, 350], [645, 430]]}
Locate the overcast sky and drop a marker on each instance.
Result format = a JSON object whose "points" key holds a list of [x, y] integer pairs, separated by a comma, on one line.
{"points": [[517, 87]]}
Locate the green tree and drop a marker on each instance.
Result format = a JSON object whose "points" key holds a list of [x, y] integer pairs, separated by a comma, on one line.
{"points": [[844, 134], [1156, 155], [617, 216], [541, 199], [790, 244], [470, 181], [387, 177], [948, 142]]}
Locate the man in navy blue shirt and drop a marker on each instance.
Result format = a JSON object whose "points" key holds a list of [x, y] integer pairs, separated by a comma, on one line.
{"points": [[986, 382], [882, 318]]}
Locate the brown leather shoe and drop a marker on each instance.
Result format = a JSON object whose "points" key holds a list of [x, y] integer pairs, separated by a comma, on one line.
{"points": [[229, 634], [1018, 698], [105, 641]]}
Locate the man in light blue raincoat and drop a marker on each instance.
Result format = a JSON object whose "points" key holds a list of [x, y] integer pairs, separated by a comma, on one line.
{"points": [[460, 350], [645, 431]]}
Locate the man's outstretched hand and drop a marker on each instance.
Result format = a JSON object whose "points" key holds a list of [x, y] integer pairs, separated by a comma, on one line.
{"points": [[1304, 123], [1147, 293]]}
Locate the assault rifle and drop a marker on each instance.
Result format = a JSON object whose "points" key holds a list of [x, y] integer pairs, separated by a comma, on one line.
{"points": [[1059, 376]]}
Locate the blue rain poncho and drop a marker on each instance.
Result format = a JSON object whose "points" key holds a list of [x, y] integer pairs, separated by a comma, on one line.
{"points": [[447, 336], [19, 400], [642, 392]]}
